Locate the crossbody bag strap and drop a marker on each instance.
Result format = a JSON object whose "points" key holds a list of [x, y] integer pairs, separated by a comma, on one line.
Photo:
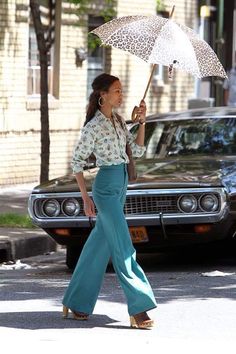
{"points": [[120, 121], [131, 166]]}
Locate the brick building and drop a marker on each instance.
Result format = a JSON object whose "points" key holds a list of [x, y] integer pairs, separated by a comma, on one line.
{"points": [[69, 83]]}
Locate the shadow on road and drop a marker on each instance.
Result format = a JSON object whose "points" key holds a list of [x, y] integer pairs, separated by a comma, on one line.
{"points": [[190, 258], [53, 319], [177, 276]]}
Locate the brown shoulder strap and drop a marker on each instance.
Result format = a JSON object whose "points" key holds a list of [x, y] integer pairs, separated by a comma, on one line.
{"points": [[120, 120]]}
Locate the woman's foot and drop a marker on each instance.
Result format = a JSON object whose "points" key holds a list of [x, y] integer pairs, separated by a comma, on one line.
{"points": [[81, 316], [141, 320]]}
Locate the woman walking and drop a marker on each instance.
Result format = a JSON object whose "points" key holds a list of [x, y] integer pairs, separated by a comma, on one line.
{"points": [[105, 134]]}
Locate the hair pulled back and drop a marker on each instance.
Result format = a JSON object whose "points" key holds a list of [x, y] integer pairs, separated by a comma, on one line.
{"points": [[101, 83]]}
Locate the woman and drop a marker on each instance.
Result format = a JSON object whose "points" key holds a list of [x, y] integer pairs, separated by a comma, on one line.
{"points": [[105, 135]]}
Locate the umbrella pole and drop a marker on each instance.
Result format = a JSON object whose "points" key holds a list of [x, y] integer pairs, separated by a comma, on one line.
{"points": [[154, 65], [150, 79], [134, 116]]}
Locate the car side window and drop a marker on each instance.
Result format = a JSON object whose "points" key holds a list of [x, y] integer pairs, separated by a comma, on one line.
{"points": [[207, 136], [153, 140], [153, 132]]}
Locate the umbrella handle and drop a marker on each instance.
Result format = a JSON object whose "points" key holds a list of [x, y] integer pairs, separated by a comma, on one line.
{"points": [[135, 116]]}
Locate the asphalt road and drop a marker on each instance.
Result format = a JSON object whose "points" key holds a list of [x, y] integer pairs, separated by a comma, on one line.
{"points": [[196, 308]]}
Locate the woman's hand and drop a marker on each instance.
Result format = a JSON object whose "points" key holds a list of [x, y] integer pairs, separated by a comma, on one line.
{"points": [[140, 112], [89, 208]]}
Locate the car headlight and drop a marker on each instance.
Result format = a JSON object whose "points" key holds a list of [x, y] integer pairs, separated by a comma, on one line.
{"points": [[209, 202], [70, 207], [51, 207], [187, 203]]}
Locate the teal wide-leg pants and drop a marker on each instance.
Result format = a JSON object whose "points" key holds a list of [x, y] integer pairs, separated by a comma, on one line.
{"points": [[110, 238]]}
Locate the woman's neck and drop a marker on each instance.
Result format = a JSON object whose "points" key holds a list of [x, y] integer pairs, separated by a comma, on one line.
{"points": [[107, 111]]}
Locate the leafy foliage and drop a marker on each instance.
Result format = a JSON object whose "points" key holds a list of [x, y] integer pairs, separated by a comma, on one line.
{"points": [[160, 5], [108, 12], [108, 8], [93, 42]]}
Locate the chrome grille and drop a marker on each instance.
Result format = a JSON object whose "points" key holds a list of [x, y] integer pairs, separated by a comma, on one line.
{"points": [[150, 204], [165, 202]]}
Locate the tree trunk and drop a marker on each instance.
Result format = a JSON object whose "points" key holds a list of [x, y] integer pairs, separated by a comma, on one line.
{"points": [[45, 135], [43, 51]]}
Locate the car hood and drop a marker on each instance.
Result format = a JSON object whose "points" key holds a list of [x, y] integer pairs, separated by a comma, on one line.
{"points": [[162, 173]]}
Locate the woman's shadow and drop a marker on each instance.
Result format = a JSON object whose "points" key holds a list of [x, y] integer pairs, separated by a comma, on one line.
{"points": [[54, 320]]}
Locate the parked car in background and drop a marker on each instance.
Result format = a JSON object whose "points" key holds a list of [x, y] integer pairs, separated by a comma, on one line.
{"points": [[185, 192]]}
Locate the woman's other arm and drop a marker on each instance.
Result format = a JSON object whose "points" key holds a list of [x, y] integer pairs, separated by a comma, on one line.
{"points": [[89, 207]]}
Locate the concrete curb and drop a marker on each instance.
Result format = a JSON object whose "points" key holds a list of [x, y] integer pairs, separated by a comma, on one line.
{"points": [[17, 243]]}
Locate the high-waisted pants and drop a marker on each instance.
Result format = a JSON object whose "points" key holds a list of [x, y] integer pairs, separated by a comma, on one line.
{"points": [[110, 238]]}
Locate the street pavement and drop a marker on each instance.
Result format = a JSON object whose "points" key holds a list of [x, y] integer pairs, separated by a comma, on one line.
{"points": [[196, 309], [196, 302], [17, 243]]}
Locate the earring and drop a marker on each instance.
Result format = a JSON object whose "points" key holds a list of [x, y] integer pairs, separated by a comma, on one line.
{"points": [[99, 101]]}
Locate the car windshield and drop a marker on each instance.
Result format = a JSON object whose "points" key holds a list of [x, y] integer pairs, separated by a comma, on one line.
{"points": [[209, 136]]}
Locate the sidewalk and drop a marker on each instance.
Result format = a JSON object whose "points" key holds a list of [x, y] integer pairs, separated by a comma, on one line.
{"points": [[16, 243], [15, 199]]}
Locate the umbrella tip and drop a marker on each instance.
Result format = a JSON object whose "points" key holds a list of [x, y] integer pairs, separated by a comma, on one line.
{"points": [[172, 11]]}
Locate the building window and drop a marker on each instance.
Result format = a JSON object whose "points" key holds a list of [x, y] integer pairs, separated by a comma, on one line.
{"points": [[158, 76], [159, 73], [96, 56], [53, 59], [34, 67]]}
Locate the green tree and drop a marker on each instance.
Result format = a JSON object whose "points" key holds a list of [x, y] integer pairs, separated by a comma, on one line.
{"points": [[45, 38]]}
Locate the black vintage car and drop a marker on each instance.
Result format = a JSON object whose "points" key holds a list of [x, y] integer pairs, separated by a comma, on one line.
{"points": [[185, 192]]}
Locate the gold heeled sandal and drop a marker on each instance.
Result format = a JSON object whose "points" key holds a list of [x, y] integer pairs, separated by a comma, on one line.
{"points": [[80, 316], [142, 324]]}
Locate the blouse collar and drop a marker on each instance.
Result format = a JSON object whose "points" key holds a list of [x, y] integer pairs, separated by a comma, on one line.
{"points": [[101, 117]]}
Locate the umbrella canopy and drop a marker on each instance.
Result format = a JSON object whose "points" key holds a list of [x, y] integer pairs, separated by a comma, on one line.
{"points": [[159, 40]]}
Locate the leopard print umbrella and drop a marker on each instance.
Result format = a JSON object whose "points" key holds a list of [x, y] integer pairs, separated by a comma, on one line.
{"points": [[158, 40]]}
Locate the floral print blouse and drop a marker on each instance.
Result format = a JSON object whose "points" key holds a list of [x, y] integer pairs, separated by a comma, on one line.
{"points": [[106, 142]]}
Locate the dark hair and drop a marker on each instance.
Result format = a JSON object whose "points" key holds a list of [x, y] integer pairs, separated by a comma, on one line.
{"points": [[100, 83]]}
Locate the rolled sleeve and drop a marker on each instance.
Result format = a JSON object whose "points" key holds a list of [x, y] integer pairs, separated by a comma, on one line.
{"points": [[83, 150], [137, 150]]}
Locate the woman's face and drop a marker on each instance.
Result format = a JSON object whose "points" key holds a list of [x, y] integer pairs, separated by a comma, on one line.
{"points": [[114, 95]]}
